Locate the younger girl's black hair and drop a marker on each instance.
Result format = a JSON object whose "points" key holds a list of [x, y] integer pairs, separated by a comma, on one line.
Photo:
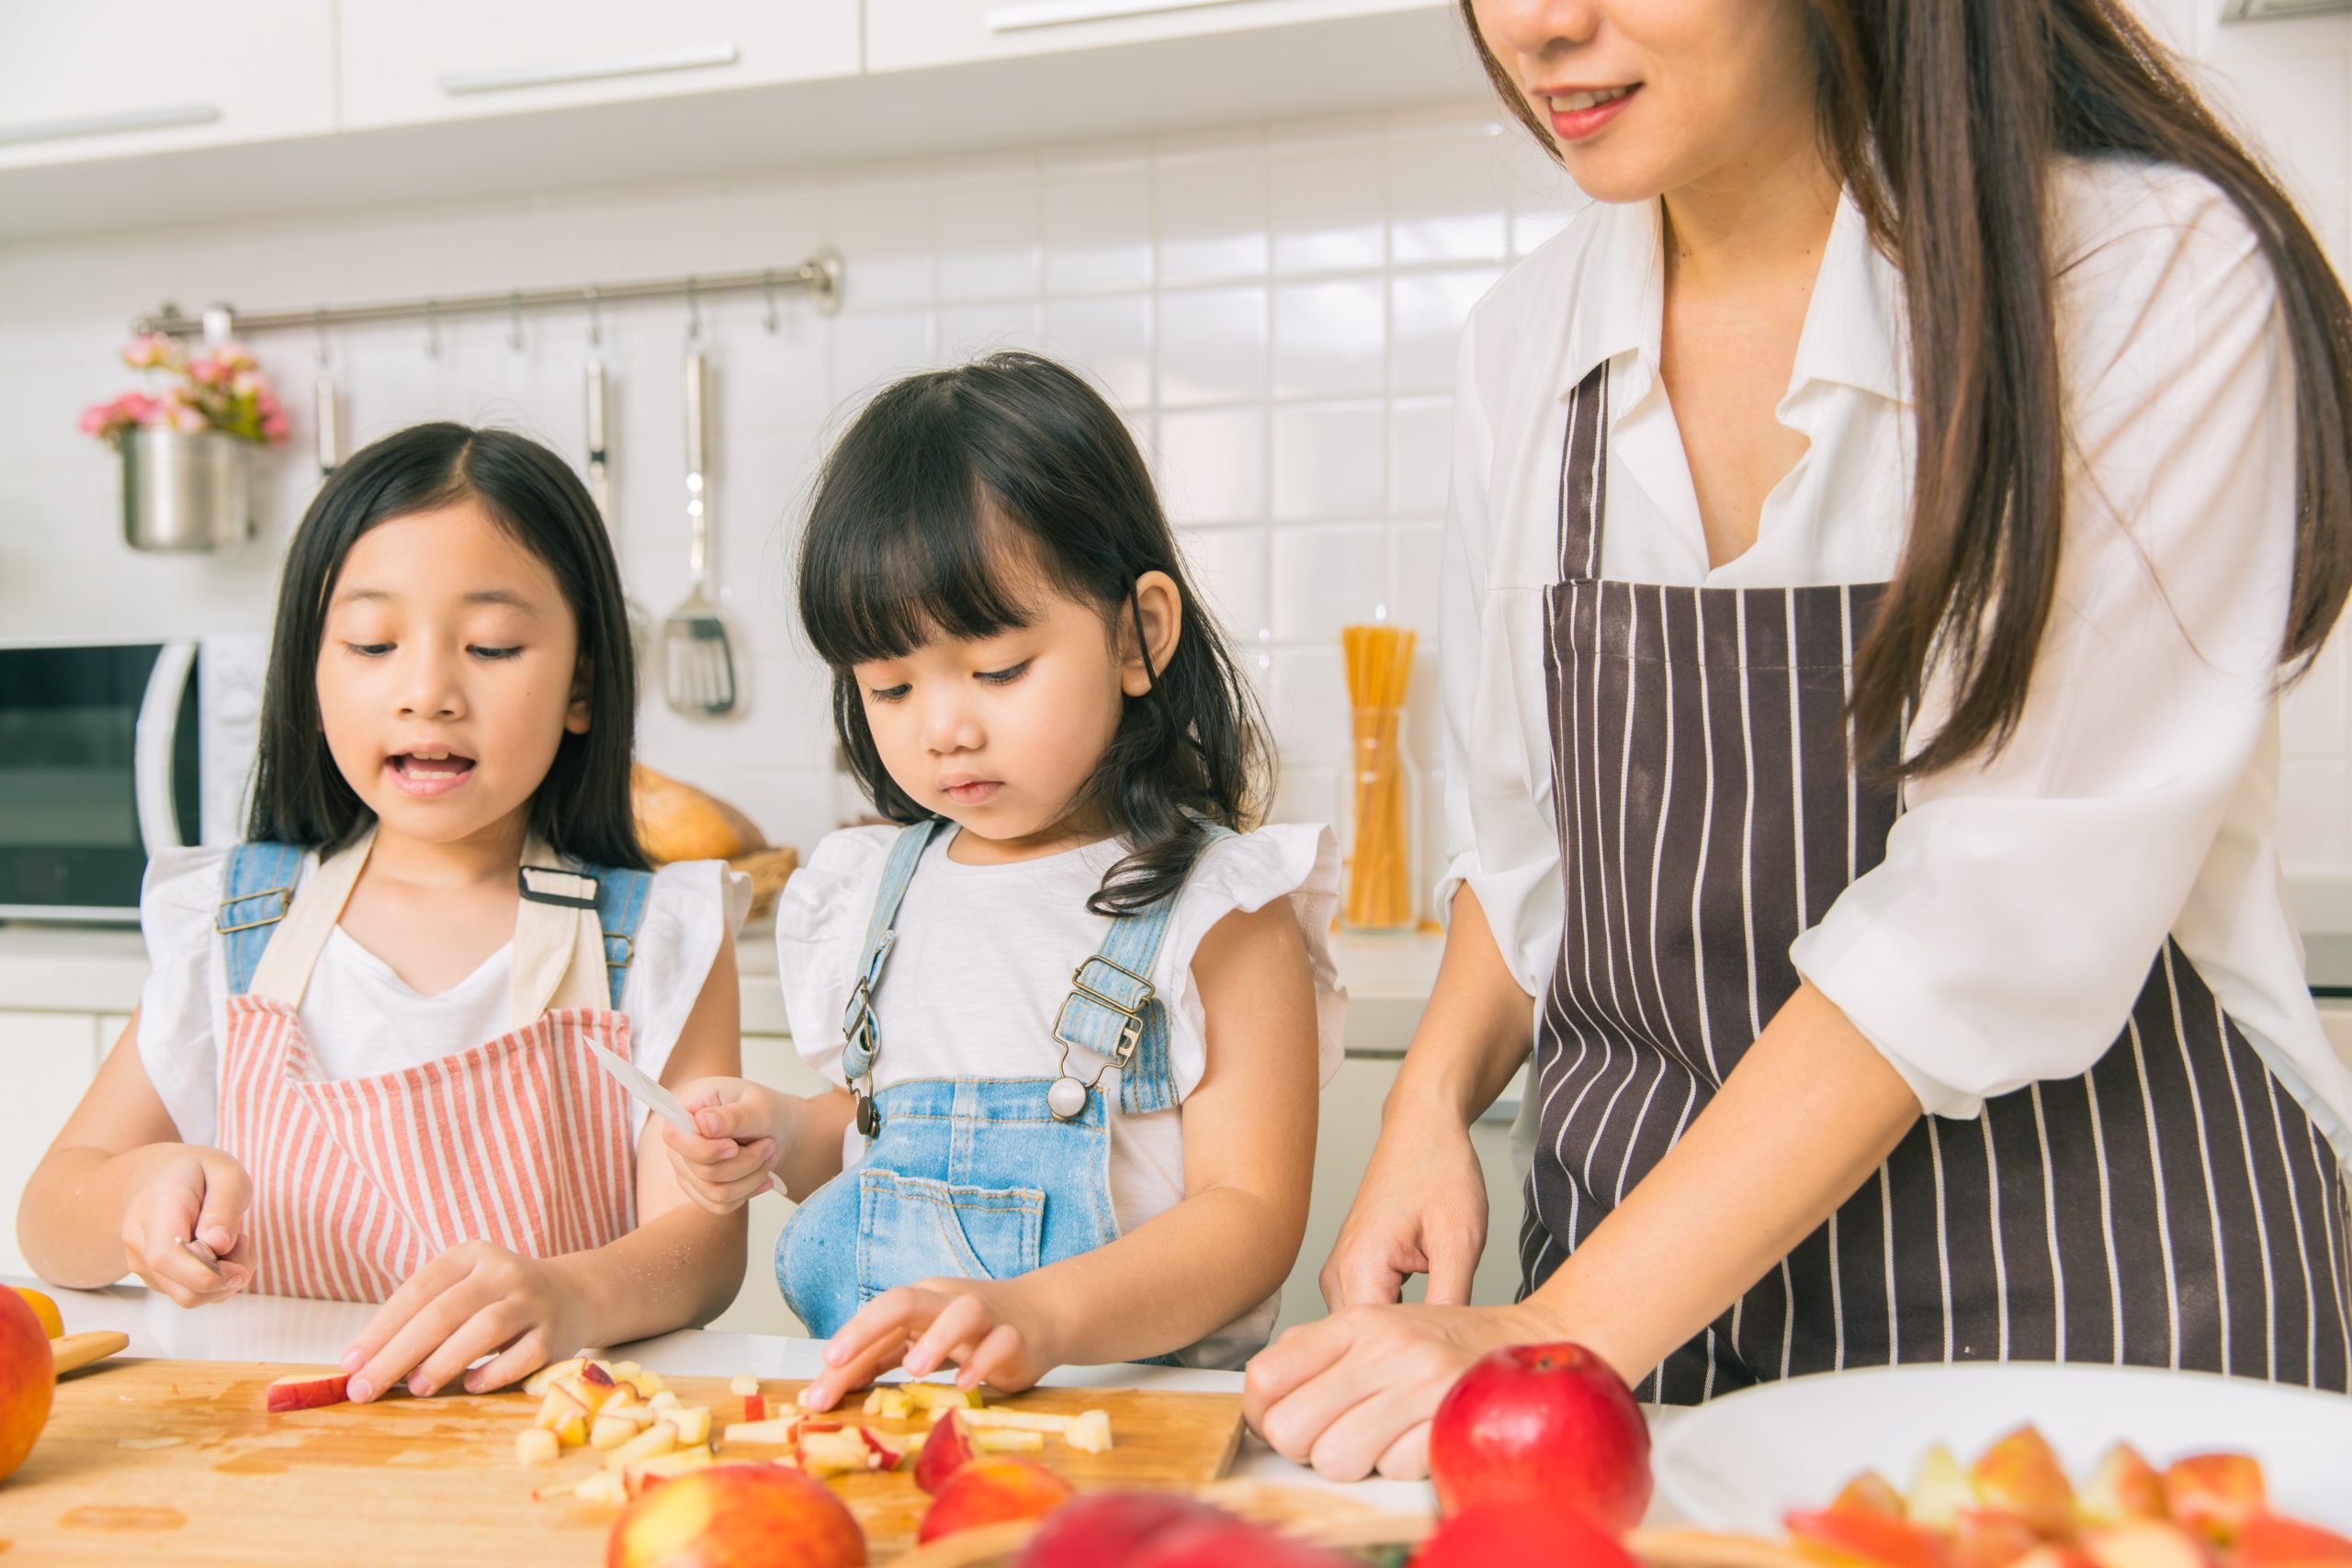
{"points": [[906, 542], [581, 809]]}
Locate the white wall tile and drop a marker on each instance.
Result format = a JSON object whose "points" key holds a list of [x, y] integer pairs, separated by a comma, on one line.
{"points": [[1211, 207], [1111, 336], [1427, 311], [969, 332], [1330, 339], [1230, 568], [1213, 464], [1327, 200], [989, 224], [886, 222], [1327, 578], [1214, 345], [871, 347], [1326, 461], [1310, 706], [1421, 456], [1416, 558], [1098, 225], [1447, 198]]}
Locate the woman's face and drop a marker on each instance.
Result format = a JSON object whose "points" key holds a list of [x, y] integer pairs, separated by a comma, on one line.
{"points": [[1647, 96]]}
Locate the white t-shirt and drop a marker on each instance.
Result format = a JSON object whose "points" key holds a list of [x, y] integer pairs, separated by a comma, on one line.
{"points": [[983, 960], [2023, 896], [362, 1020]]}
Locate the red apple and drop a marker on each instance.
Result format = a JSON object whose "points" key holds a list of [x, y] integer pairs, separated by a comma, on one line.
{"points": [[1859, 1539], [307, 1391], [2266, 1541], [989, 1491], [1104, 1529], [1492, 1533], [2124, 1488], [947, 1451], [2212, 1494], [1986, 1537], [28, 1379], [1229, 1543], [2021, 1475], [1551, 1425], [736, 1516], [1872, 1493]]}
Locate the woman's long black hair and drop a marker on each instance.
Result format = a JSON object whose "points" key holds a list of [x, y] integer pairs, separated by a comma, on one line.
{"points": [[581, 809], [904, 545]]}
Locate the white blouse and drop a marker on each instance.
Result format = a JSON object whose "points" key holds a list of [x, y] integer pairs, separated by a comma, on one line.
{"points": [[360, 1019], [2022, 899], [984, 956]]}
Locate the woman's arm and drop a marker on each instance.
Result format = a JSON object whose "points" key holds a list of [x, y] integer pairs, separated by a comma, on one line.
{"points": [[1248, 1164], [679, 1268], [1808, 1113], [117, 1192], [1421, 1207]]}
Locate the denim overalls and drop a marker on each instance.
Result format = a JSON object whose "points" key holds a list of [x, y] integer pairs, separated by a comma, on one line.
{"points": [[979, 1177]]}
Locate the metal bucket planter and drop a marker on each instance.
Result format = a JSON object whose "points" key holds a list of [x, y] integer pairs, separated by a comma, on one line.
{"points": [[186, 492]]}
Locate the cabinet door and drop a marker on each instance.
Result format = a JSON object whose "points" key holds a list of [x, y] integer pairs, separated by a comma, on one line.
{"points": [[51, 1058], [904, 34], [133, 77], [406, 60]]}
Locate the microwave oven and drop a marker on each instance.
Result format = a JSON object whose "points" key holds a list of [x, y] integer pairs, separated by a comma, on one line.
{"points": [[112, 750]]}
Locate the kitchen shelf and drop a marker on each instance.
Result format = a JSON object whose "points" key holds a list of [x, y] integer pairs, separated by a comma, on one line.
{"points": [[1342, 64]]}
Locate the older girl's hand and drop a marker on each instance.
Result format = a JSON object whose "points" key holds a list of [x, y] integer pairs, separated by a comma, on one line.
{"points": [[473, 1301], [991, 1329], [1353, 1393]]}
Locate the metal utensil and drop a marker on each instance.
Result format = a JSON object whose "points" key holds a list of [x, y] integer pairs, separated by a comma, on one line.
{"points": [[699, 664], [654, 1097], [599, 490]]}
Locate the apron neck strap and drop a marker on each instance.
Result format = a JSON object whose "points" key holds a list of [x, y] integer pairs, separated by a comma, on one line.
{"points": [[559, 951], [861, 1034], [1584, 477]]}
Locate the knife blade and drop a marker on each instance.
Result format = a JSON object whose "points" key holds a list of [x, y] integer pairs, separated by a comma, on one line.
{"points": [[654, 1097]]}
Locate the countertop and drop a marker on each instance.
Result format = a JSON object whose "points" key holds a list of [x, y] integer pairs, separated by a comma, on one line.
{"points": [[90, 969]]}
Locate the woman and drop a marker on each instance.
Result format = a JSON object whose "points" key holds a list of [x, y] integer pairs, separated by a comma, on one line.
{"points": [[1882, 521]]}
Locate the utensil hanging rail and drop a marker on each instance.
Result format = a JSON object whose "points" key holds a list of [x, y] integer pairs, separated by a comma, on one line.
{"points": [[820, 277]]}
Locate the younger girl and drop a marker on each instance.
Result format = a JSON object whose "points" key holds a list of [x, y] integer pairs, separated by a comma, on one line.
{"points": [[361, 1067], [1083, 1018]]}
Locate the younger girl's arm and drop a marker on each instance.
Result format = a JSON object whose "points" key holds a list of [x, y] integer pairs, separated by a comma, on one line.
{"points": [[680, 1266], [1249, 1162], [119, 1192]]}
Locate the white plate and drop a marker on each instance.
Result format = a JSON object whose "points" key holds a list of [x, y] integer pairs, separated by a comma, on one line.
{"points": [[1742, 1461]]}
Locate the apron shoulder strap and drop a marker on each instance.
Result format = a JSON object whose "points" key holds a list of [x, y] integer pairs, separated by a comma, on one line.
{"points": [[1112, 1009], [257, 889], [860, 1032], [621, 898], [1584, 477]]}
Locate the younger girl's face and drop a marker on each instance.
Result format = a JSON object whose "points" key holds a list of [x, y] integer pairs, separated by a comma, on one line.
{"points": [[1000, 735], [447, 673], [1648, 96]]}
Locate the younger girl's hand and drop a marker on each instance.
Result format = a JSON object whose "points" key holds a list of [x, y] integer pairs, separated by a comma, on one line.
{"points": [[743, 1127], [988, 1327], [193, 1192], [475, 1300]]}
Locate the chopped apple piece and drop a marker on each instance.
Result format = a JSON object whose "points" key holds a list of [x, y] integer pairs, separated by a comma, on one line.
{"points": [[573, 1432], [536, 1383], [778, 1430], [2124, 1488], [755, 1406], [1939, 1490], [692, 1423], [2215, 1495], [604, 1487], [1018, 1421], [636, 1477], [652, 1443], [1091, 1433], [591, 1395], [305, 1391], [1003, 1441], [1863, 1539], [623, 1370], [610, 1431], [535, 1444], [663, 1399], [647, 1384], [885, 1456], [934, 1397], [946, 1450], [2020, 1475], [1986, 1537], [557, 1408], [2143, 1543], [743, 1384], [1871, 1492], [2269, 1541], [832, 1451], [890, 1404], [595, 1374]]}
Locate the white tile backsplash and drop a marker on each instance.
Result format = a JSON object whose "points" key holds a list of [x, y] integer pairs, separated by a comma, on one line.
{"points": [[1274, 309]]}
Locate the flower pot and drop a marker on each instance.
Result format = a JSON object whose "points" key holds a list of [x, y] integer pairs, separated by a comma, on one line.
{"points": [[186, 492]]}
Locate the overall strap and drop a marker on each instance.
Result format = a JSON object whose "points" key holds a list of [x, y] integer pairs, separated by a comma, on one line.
{"points": [[861, 1033], [257, 889], [621, 898], [1584, 477], [1114, 1010]]}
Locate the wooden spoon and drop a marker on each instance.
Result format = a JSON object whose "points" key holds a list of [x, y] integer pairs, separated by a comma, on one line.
{"points": [[77, 1351]]}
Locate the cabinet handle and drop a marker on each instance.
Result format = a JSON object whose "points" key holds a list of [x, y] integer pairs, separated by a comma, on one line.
{"points": [[110, 124], [506, 79], [1063, 13]]}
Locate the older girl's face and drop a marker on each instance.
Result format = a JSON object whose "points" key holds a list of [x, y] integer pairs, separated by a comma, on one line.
{"points": [[1643, 98]]}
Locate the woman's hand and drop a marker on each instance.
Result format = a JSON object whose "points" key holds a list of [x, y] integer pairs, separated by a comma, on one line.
{"points": [[989, 1329], [473, 1301], [192, 1192], [1420, 1209], [1353, 1393], [744, 1127]]}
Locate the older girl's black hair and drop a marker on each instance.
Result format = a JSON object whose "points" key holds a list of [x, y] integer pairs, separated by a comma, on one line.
{"points": [[581, 809], [940, 507]]}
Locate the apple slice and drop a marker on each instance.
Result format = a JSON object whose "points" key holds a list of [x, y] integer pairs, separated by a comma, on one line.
{"points": [[691, 1422], [557, 1408], [2124, 1488], [1939, 1490], [572, 1433], [1091, 1433], [934, 1397], [2266, 1541], [947, 1450], [778, 1430], [825, 1449], [743, 1384], [590, 1394], [2213, 1494], [535, 1444], [636, 1477], [2020, 1475], [536, 1383], [595, 1374], [755, 1406], [2143, 1543], [652, 1443], [605, 1487], [647, 1384], [307, 1391], [622, 1370], [1863, 1540], [1871, 1493], [1987, 1538], [1009, 1442], [664, 1399], [1018, 1421], [884, 1456], [610, 1431]]}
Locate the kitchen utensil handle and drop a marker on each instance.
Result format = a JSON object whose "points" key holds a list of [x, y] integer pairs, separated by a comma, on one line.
{"points": [[556, 73], [1068, 13], [167, 118], [599, 474], [697, 476], [156, 742], [326, 433]]}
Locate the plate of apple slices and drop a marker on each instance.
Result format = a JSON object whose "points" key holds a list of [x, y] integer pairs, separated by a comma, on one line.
{"points": [[2058, 1443]]}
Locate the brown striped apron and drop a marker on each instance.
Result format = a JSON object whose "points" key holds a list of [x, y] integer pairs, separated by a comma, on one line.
{"points": [[2172, 1207]]}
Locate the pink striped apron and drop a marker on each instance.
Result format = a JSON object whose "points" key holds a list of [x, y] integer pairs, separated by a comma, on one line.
{"points": [[522, 1140]]}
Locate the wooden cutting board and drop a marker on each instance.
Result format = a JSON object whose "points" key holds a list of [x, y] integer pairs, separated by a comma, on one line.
{"points": [[176, 1461]]}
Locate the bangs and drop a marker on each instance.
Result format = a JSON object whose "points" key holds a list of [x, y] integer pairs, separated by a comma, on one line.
{"points": [[926, 556]]}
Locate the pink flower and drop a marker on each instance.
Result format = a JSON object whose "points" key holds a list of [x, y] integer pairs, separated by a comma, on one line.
{"points": [[206, 371], [147, 351], [189, 421], [95, 418], [274, 425], [247, 383], [137, 408]]}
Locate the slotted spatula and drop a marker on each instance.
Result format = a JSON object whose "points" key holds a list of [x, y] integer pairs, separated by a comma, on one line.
{"points": [[698, 661]]}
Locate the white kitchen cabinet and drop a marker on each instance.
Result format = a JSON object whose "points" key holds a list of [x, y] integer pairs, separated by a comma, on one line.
{"points": [[406, 61], [908, 34], [50, 1058], [136, 77]]}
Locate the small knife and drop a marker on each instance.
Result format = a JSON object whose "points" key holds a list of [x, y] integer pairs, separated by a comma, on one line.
{"points": [[659, 1101]]}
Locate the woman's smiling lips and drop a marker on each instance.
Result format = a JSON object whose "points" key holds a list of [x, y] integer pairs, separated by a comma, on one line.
{"points": [[426, 772], [1578, 112], [966, 790]]}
